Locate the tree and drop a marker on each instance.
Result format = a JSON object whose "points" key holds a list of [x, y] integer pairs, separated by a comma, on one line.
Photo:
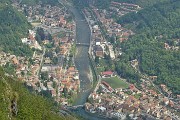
{"points": [[49, 54], [38, 38], [57, 50], [49, 37], [55, 60], [44, 76], [54, 84], [65, 91], [40, 32], [97, 60]]}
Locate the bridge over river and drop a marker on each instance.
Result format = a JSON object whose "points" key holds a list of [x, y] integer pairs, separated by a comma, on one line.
{"points": [[82, 44], [74, 107]]}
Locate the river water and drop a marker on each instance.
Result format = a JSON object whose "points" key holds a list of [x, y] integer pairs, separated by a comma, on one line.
{"points": [[83, 35], [81, 57]]}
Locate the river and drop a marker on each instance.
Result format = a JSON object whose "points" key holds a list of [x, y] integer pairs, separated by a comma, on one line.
{"points": [[81, 57], [83, 35]]}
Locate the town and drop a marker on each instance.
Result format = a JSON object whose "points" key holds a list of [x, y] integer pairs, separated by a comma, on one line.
{"points": [[117, 101], [52, 72]]}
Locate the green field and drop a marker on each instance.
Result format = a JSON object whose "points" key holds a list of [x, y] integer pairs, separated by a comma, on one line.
{"points": [[115, 82]]}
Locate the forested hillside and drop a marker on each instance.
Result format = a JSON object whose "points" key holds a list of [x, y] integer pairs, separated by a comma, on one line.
{"points": [[155, 26], [13, 26], [19, 104]]}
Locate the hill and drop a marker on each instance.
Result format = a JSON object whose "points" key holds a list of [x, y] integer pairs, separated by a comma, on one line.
{"points": [[13, 26], [156, 42], [17, 103]]}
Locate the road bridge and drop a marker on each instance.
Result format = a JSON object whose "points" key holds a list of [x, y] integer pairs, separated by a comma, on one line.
{"points": [[83, 44], [74, 107]]}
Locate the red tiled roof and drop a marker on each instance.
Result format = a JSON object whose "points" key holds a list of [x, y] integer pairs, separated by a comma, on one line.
{"points": [[131, 86], [107, 73], [105, 83]]}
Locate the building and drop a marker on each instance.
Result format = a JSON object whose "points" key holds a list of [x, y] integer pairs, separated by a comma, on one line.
{"points": [[107, 74], [98, 50]]}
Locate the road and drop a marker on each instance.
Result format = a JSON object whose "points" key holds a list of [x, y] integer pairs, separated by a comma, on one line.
{"points": [[44, 51]]}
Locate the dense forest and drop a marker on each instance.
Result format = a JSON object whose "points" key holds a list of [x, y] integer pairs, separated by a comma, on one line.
{"points": [[17, 103], [13, 26], [154, 26]]}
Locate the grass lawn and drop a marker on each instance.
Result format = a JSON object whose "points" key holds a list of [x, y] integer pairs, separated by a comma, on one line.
{"points": [[115, 82]]}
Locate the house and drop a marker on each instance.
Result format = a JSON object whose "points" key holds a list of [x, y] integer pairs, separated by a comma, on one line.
{"points": [[101, 109], [134, 63], [95, 96], [98, 50], [107, 86], [47, 60], [44, 69], [96, 27], [166, 46], [153, 78], [168, 118], [128, 109], [62, 20], [107, 74], [166, 101], [45, 42], [15, 61], [88, 106], [132, 87], [171, 103], [49, 85], [98, 41], [111, 51], [164, 87], [178, 97], [53, 92]]}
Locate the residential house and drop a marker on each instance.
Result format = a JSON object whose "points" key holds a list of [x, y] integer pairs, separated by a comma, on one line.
{"points": [[98, 50], [107, 74]]}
